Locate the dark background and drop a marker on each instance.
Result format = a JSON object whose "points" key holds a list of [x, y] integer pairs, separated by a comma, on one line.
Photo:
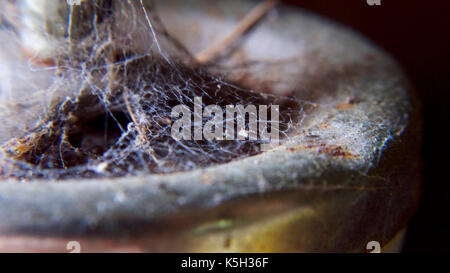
{"points": [[417, 34]]}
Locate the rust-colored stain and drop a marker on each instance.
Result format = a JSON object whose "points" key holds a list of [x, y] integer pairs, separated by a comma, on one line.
{"points": [[347, 105], [322, 148], [344, 106], [334, 150], [20, 147]]}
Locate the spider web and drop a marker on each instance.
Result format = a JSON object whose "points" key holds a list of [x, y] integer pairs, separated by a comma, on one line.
{"points": [[115, 79]]}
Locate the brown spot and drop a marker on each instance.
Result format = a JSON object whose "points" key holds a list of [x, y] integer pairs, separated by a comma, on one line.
{"points": [[227, 242], [335, 151], [344, 106], [349, 104], [322, 148]]}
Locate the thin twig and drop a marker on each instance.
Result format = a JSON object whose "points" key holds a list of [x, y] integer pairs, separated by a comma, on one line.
{"points": [[252, 18], [142, 134]]}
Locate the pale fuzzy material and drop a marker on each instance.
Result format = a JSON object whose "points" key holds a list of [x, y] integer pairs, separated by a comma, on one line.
{"points": [[127, 64]]}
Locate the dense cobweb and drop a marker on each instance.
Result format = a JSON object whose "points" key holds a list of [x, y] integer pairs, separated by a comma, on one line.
{"points": [[117, 76]]}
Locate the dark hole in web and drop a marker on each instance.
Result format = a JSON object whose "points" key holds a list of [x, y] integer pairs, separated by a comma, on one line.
{"points": [[97, 134]]}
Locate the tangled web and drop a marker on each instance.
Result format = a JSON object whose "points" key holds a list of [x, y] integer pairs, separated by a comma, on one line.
{"points": [[117, 120]]}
